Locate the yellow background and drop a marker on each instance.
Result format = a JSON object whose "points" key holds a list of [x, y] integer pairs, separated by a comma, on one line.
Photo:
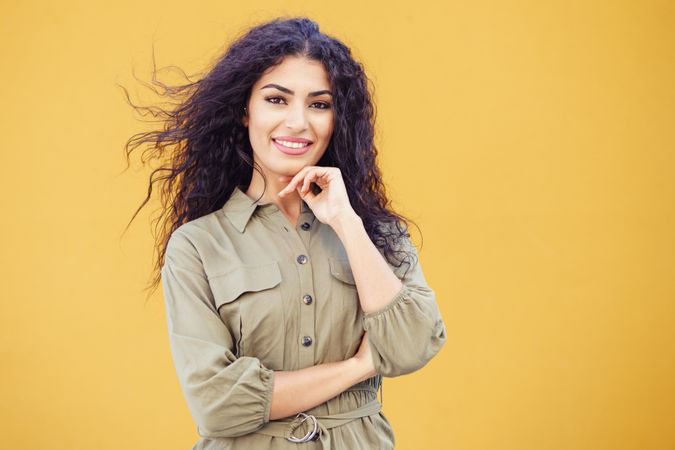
{"points": [[533, 143]]}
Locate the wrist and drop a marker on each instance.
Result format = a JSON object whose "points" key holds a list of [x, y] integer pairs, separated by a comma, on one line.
{"points": [[345, 221], [361, 369]]}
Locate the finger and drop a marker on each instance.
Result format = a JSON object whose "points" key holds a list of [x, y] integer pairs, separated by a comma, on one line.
{"points": [[290, 186], [308, 197], [311, 176], [285, 179], [294, 181], [318, 174], [323, 177]]}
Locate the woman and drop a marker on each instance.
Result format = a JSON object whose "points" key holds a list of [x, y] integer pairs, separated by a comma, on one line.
{"points": [[285, 302]]}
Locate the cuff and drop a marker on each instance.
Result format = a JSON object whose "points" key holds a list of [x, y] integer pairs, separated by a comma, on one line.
{"points": [[267, 377], [398, 298]]}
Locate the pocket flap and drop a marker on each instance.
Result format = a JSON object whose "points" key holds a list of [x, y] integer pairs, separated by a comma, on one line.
{"points": [[229, 286], [341, 270]]}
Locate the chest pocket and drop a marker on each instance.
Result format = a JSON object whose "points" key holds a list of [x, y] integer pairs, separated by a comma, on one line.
{"points": [[343, 287], [230, 286], [249, 301]]}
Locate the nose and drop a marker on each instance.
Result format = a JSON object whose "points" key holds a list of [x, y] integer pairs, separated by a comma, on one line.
{"points": [[296, 118]]}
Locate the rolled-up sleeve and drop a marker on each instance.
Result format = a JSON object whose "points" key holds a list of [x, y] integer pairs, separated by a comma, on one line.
{"points": [[406, 333], [227, 395]]}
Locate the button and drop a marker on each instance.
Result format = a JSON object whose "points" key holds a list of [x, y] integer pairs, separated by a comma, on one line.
{"points": [[307, 299], [301, 259], [305, 226], [306, 341]]}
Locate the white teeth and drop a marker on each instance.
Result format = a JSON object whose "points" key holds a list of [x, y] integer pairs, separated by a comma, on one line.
{"points": [[291, 144]]}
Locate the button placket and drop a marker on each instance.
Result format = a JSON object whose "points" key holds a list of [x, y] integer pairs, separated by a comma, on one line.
{"points": [[305, 225], [306, 334], [307, 312], [299, 243]]}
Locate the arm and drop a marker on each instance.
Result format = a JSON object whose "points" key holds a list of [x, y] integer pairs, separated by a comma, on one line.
{"points": [[375, 281], [299, 390], [404, 323]]}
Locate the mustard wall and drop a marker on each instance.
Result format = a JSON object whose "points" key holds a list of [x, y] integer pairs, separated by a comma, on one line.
{"points": [[533, 143]]}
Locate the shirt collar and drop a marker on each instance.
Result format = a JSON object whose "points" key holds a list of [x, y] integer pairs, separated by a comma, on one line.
{"points": [[240, 207]]}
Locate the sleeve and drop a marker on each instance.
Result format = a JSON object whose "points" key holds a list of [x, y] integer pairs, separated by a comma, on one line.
{"points": [[227, 395], [406, 333]]}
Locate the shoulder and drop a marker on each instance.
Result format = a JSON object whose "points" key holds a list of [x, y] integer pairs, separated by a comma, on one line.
{"points": [[210, 244], [190, 232], [191, 239]]}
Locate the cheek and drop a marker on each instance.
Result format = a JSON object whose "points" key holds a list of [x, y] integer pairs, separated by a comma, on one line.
{"points": [[261, 122], [325, 127], [259, 134]]}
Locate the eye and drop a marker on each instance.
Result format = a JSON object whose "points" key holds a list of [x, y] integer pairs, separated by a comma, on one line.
{"points": [[322, 105], [274, 101]]}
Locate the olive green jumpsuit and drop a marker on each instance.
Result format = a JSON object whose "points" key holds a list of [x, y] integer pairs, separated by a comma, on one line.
{"points": [[247, 293]]}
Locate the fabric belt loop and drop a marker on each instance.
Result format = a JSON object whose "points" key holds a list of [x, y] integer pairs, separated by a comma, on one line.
{"points": [[311, 435], [318, 425]]}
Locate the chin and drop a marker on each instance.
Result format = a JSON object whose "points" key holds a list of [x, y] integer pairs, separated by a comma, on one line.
{"points": [[290, 168]]}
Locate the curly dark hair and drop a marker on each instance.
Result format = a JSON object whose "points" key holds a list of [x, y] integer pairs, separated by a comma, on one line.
{"points": [[204, 148]]}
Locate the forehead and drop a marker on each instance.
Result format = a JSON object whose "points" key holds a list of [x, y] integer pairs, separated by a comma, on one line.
{"points": [[296, 73]]}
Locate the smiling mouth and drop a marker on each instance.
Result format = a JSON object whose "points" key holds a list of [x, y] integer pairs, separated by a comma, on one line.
{"points": [[290, 144], [293, 148]]}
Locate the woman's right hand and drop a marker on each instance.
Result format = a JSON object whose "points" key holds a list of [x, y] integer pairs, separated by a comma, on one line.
{"points": [[364, 358]]}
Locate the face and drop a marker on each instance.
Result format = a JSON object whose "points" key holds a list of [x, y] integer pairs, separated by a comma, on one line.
{"points": [[290, 116]]}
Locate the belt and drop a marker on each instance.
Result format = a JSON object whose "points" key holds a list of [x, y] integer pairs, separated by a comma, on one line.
{"points": [[317, 426]]}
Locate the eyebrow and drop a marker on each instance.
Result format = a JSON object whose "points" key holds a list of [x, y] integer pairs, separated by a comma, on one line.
{"points": [[288, 91]]}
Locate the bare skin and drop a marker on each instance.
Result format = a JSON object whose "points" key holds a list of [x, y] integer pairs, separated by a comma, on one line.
{"points": [[299, 390]]}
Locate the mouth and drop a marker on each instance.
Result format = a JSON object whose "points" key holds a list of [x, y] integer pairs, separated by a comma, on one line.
{"points": [[293, 147]]}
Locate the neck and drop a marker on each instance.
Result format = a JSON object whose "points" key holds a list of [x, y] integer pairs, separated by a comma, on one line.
{"points": [[289, 204]]}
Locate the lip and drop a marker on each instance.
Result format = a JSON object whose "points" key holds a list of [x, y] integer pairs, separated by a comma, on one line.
{"points": [[293, 151], [293, 139]]}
